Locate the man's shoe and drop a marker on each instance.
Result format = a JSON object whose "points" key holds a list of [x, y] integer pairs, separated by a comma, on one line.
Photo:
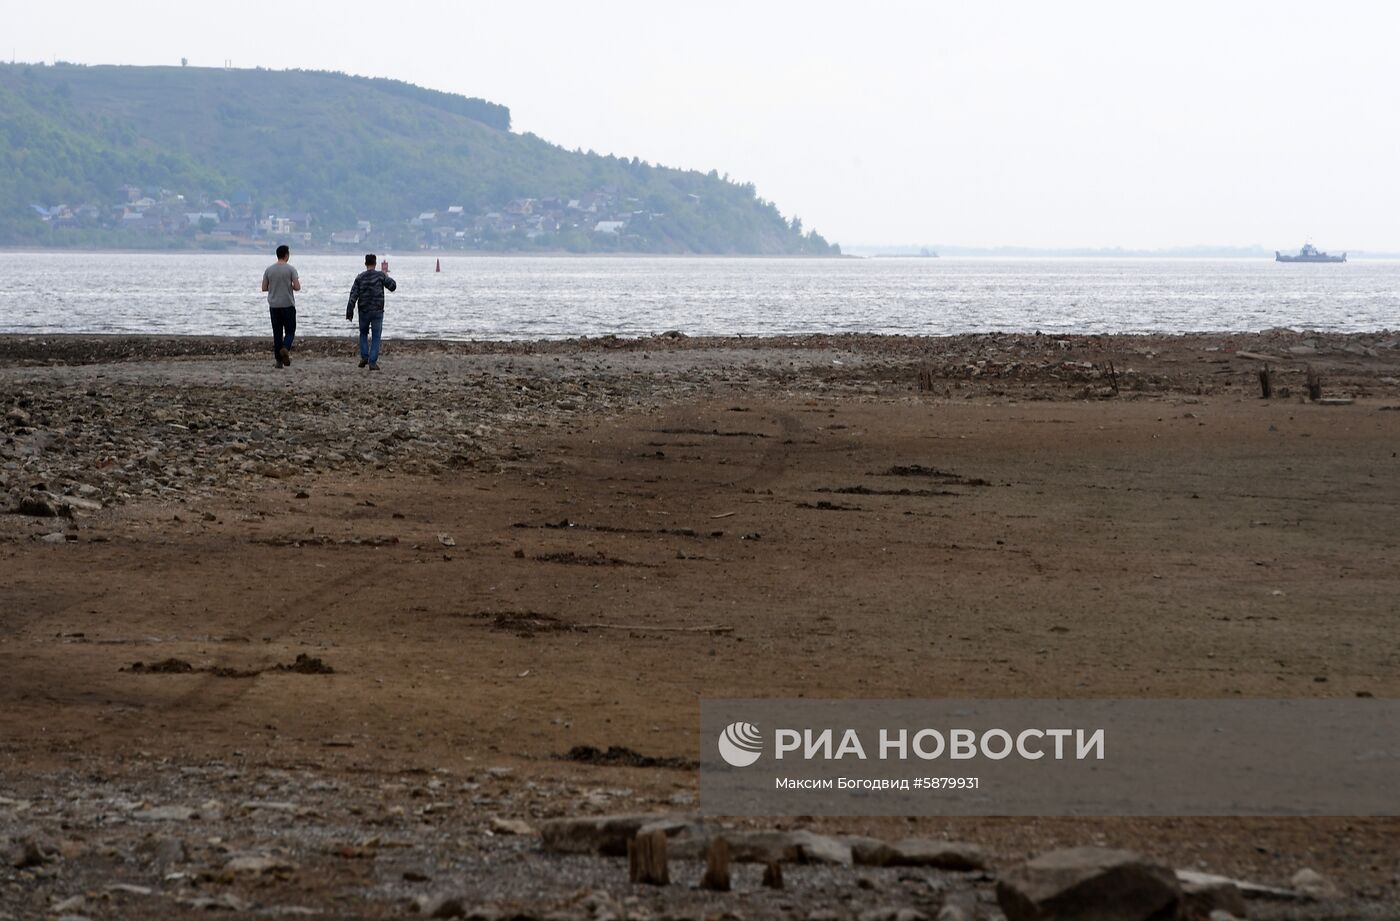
{"points": [[285, 357], [363, 362], [374, 366]]}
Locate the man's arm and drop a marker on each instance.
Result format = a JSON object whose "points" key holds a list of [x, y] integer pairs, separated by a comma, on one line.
{"points": [[264, 287], [296, 281], [390, 284], [354, 296]]}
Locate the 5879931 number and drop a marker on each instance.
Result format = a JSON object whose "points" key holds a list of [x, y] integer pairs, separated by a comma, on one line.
{"points": [[945, 783]]}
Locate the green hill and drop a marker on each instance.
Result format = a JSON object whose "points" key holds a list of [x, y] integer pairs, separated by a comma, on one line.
{"points": [[186, 156]]}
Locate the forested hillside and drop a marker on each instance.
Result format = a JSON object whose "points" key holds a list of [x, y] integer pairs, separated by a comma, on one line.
{"points": [[185, 156]]}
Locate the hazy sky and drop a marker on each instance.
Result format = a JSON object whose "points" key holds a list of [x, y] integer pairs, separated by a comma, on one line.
{"points": [[978, 123]]}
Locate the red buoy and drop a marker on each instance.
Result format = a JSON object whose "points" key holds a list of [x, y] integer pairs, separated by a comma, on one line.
{"points": [[384, 266]]}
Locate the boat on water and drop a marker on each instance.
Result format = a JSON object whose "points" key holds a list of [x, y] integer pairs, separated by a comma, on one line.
{"points": [[1309, 253]]}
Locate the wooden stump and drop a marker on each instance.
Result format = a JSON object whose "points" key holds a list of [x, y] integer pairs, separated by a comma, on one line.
{"points": [[773, 876], [1314, 385], [646, 858], [716, 877], [1266, 383]]}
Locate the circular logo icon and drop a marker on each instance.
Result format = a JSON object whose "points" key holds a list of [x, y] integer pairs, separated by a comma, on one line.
{"points": [[741, 744]]}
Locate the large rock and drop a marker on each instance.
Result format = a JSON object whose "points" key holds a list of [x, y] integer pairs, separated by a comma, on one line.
{"points": [[1201, 898], [917, 852], [605, 834], [690, 841], [1248, 890], [787, 847], [1313, 884], [36, 507], [1089, 884]]}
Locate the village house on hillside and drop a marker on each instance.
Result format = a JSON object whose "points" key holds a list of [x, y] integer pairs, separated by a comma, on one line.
{"points": [[601, 217]]}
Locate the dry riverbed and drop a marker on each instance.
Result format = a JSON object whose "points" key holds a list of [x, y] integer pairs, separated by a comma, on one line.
{"points": [[389, 626]]}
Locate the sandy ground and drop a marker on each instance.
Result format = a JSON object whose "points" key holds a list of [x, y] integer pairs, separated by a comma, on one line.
{"points": [[506, 551]]}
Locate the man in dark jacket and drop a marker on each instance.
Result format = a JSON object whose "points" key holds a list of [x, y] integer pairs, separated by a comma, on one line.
{"points": [[368, 292]]}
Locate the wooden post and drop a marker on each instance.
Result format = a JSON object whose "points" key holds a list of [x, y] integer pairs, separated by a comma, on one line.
{"points": [[716, 877], [773, 876], [646, 858], [1113, 377], [1314, 385], [1266, 383]]}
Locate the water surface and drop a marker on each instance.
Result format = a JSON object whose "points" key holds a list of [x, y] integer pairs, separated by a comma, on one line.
{"points": [[554, 297]]}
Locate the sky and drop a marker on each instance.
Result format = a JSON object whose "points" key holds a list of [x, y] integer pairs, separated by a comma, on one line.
{"points": [[972, 123]]}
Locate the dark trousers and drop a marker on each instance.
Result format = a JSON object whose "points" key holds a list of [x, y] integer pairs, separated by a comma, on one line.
{"points": [[284, 327]]}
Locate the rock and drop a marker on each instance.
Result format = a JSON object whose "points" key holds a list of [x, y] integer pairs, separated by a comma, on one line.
{"points": [[29, 852], [226, 901], [601, 906], [443, 906], [70, 904], [271, 805], [787, 847], [1202, 898], [129, 889], [502, 826], [257, 864], [164, 852], [917, 852], [691, 841], [36, 507], [1089, 883], [1312, 883], [1247, 889], [892, 914], [960, 905], [165, 814], [606, 834]]}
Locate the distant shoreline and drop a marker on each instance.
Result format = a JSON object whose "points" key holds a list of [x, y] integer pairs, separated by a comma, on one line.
{"points": [[430, 254], [565, 254]]}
